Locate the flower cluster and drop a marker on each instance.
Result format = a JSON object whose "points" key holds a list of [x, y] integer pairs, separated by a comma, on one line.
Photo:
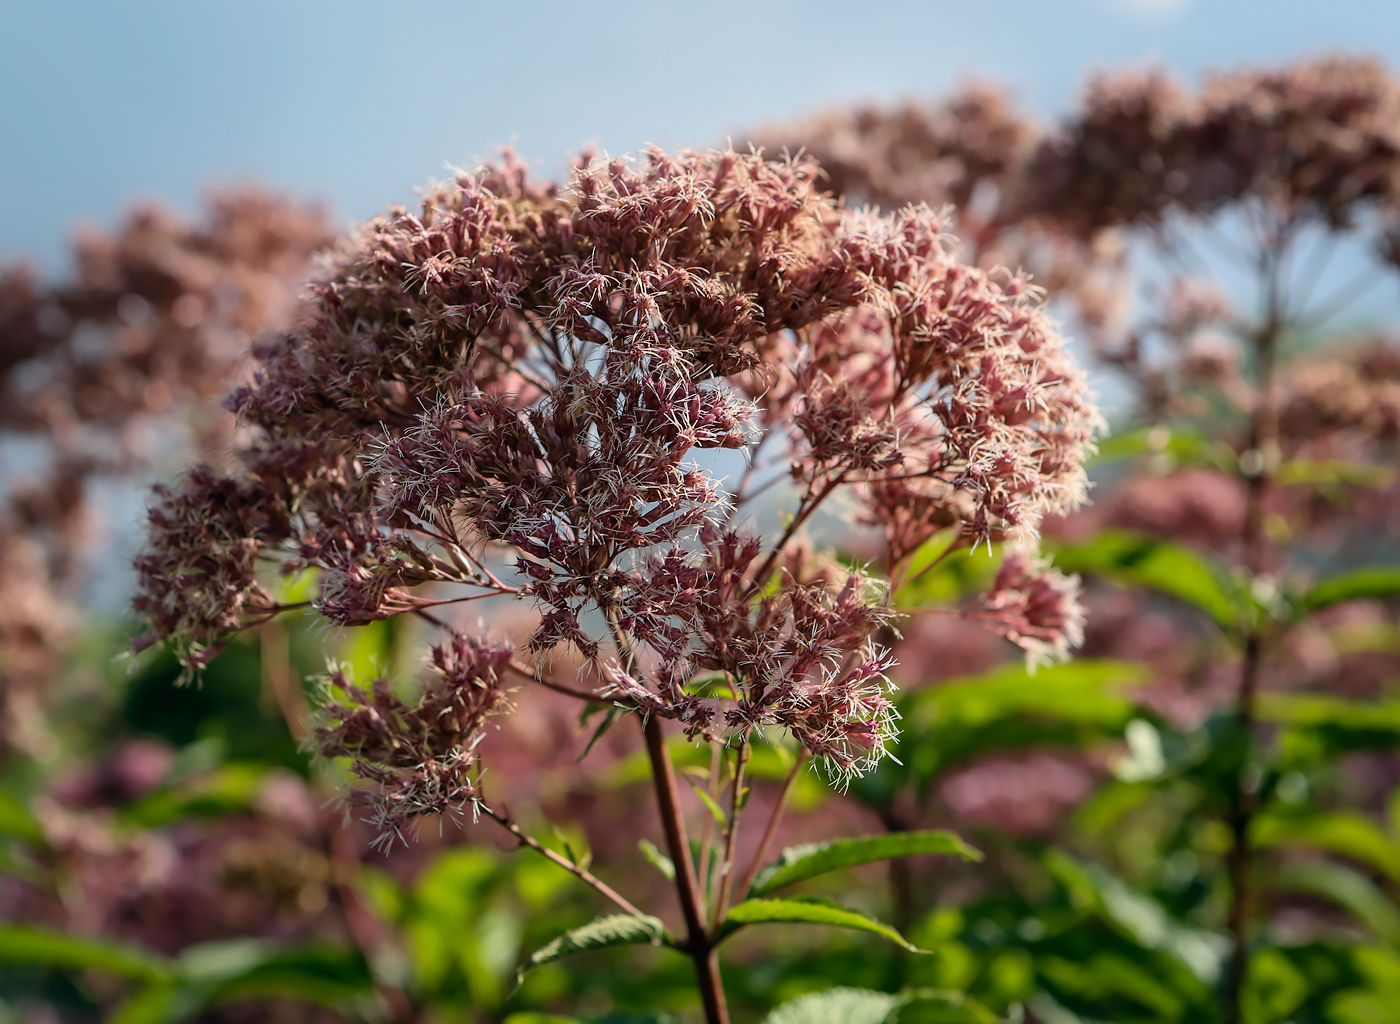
{"points": [[1034, 606], [502, 394], [1315, 142], [421, 758]]}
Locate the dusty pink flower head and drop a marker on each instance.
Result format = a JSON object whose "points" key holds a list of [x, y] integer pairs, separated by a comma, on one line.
{"points": [[503, 394], [1034, 606]]}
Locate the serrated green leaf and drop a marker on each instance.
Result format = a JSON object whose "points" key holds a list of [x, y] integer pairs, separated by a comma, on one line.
{"points": [[613, 930], [1372, 581], [809, 910], [1141, 560], [798, 863], [837, 1006], [20, 944]]}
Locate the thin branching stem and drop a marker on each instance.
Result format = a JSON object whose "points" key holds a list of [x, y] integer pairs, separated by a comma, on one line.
{"points": [[707, 828], [731, 834], [522, 838], [771, 830]]}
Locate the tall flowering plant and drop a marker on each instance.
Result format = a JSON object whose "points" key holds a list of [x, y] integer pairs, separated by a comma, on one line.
{"points": [[1250, 515], [510, 394]]}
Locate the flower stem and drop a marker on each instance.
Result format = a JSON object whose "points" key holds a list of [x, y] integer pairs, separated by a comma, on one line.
{"points": [[687, 888], [772, 828], [575, 869]]}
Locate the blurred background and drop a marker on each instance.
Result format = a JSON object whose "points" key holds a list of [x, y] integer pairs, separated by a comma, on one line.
{"points": [[357, 103]]}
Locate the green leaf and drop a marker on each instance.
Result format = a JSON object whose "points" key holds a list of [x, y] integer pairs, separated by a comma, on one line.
{"points": [[1347, 888], [1333, 471], [721, 819], [20, 944], [1141, 560], [314, 972], [798, 863], [228, 789], [1137, 916], [609, 720], [1372, 581], [837, 1006], [15, 820], [947, 1007], [154, 1004], [1344, 833], [1180, 445], [657, 859], [1073, 705], [809, 910], [1317, 710], [939, 577], [613, 930]]}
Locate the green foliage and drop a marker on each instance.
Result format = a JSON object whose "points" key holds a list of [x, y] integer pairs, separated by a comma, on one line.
{"points": [[203, 976], [798, 863], [20, 944], [1148, 562], [1181, 445], [1369, 582], [613, 930], [837, 1006], [1077, 705], [809, 910]]}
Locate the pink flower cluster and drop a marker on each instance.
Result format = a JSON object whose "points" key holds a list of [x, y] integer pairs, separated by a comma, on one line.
{"points": [[420, 759], [501, 395]]}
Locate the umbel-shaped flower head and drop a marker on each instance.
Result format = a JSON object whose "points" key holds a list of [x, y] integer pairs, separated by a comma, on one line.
{"points": [[500, 394]]}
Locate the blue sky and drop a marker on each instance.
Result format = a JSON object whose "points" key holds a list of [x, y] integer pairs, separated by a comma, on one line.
{"points": [[358, 103]]}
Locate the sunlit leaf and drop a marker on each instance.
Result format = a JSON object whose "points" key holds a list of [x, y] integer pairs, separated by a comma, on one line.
{"points": [[1185, 446], [1370, 582], [657, 859], [315, 972], [798, 863], [809, 910], [155, 1004], [1141, 560], [1138, 916], [1305, 472], [20, 944], [1076, 705], [836, 1006]]}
